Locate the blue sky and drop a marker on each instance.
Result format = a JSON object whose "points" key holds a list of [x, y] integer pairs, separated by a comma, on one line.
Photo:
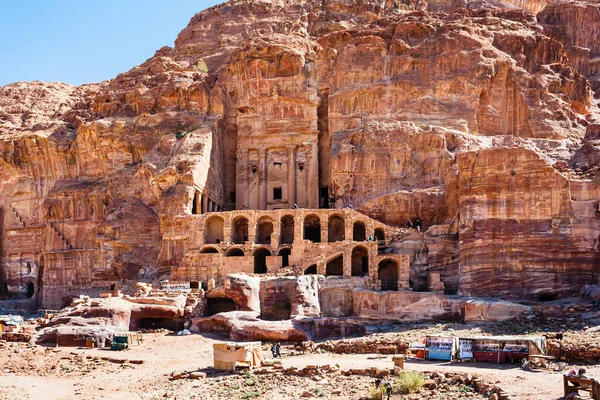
{"points": [[80, 41]]}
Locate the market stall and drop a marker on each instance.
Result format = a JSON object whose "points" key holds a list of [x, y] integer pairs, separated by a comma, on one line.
{"points": [[441, 347], [501, 349]]}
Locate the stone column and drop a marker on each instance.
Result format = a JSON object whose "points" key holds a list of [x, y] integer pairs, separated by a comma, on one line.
{"points": [[298, 226], [321, 267], [347, 271], [262, 180], [324, 228], [291, 176]]}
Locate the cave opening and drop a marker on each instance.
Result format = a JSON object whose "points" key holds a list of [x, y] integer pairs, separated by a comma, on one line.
{"points": [[30, 289], [219, 305]]}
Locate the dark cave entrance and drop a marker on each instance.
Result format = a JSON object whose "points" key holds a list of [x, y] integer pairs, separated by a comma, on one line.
{"points": [[219, 305], [30, 289]]}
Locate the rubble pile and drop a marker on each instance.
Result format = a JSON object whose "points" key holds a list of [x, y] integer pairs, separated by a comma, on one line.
{"points": [[330, 381]]}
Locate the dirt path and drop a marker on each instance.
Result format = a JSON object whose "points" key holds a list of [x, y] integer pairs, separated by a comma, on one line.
{"points": [[162, 355]]}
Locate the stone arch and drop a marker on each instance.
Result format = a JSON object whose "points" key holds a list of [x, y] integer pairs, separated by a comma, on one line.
{"points": [[235, 252], [287, 229], [239, 230], [312, 270], [335, 266], [336, 229], [360, 261], [265, 228], [209, 250], [359, 233], [260, 260], [387, 273], [312, 228], [213, 229], [379, 234], [285, 256]]}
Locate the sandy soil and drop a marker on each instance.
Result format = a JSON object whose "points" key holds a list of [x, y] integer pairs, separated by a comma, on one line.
{"points": [[34, 372]]}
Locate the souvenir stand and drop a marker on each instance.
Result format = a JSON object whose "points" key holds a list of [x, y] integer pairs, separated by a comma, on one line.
{"points": [[502, 349], [441, 347]]}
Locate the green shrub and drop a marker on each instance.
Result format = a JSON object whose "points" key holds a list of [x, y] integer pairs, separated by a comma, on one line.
{"points": [[249, 395], [408, 382], [201, 67]]}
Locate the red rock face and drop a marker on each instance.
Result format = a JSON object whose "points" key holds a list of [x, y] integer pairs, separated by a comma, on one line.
{"points": [[481, 121]]}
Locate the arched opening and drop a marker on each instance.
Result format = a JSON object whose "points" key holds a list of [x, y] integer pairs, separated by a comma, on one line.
{"points": [[360, 261], [213, 230], [335, 266], [235, 252], [379, 234], [387, 273], [312, 229], [312, 270], [30, 289], [260, 260], [336, 229], [219, 305], [209, 250], [358, 232], [285, 256], [265, 228], [287, 229], [239, 232]]}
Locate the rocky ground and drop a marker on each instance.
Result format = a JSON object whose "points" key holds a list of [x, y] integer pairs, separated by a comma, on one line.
{"points": [[180, 367]]}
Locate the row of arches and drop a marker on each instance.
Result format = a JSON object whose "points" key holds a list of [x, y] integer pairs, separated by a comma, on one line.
{"points": [[387, 270], [336, 230], [260, 256]]}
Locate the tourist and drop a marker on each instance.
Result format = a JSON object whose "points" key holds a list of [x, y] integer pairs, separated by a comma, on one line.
{"points": [[418, 224], [409, 224], [387, 386], [273, 350], [278, 350]]}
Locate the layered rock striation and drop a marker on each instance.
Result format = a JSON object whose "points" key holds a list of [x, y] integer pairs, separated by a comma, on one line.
{"points": [[479, 119]]}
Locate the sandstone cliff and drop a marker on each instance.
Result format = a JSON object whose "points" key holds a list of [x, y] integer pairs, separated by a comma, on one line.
{"points": [[478, 117]]}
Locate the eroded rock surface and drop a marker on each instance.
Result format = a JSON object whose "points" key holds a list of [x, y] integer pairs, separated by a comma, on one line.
{"points": [[479, 118]]}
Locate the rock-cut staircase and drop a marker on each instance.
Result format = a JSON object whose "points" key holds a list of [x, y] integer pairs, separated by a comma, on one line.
{"points": [[59, 237]]}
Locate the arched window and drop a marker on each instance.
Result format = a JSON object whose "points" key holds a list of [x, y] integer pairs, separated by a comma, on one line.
{"points": [[209, 250], [336, 229], [358, 232], [379, 234], [213, 230], [360, 261], [265, 228], [287, 229], [312, 228], [239, 232]]}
